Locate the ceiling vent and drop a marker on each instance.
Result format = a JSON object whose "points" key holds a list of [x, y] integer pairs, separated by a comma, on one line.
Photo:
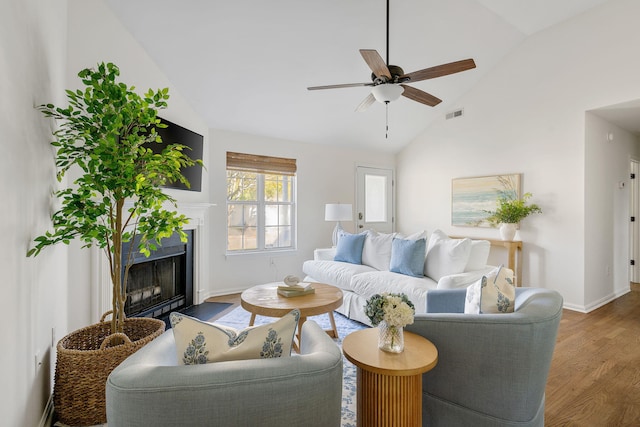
{"points": [[455, 114]]}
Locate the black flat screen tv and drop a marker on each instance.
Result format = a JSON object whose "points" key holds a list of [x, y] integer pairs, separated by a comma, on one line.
{"points": [[176, 134]]}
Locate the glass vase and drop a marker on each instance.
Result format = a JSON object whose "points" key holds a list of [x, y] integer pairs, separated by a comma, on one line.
{"points": [[390, 338]]}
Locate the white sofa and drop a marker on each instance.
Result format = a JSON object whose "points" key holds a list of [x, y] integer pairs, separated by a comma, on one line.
{"points": [[448, 263]]}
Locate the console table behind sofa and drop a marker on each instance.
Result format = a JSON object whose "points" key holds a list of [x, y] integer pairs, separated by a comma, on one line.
{"points": [[514, 254]]}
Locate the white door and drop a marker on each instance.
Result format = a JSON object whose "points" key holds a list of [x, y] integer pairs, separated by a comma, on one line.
{"points": [[634, 224], [374, 199]]}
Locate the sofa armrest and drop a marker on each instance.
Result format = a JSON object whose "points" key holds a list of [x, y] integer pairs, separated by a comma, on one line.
{"points": [[324, 254]]}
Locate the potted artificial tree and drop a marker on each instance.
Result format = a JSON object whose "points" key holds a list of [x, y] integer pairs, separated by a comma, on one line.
{"points": [[511, 211], [116, 198]]}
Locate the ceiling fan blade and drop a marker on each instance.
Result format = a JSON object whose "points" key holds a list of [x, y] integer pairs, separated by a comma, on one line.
{"points": [[366, 103], [376, 63], [440, 70], [339, 86], [420, 96]]}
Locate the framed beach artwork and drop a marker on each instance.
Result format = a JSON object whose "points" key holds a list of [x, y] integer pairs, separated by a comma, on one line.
{"points": [[471, 198]]}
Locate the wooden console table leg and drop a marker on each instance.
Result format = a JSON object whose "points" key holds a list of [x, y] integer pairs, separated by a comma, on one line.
{"points": [[515, 261], [512, 262], [389, 401]]}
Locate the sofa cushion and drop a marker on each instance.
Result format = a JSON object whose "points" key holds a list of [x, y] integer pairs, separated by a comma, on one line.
{"points": [[377, 282], [494, 293], [407, 257], [478, 255], [446, 256], [349, 247], [200, 342], [333, 272], [376, 252]]}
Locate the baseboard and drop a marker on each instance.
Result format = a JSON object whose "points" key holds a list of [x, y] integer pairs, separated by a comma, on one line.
{"points": [[47, 416], [597, 304], [606, 300], [222, 292]]}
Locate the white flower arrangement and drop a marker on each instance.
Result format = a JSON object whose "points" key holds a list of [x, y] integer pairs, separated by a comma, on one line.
{"points": [[395, 309]]}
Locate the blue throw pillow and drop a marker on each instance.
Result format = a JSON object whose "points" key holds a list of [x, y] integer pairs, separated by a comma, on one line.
{"points": [[349, 248], [407, 256]]}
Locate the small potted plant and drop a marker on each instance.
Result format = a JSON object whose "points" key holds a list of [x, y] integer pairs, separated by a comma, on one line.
{"points": [[390, 313], [511, 211], [103, 138]]}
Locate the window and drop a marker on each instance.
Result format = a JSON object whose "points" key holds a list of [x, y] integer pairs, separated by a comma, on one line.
{"points": [[260, 203]]}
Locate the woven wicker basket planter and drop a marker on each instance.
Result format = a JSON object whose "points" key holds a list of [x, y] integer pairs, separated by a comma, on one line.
{"points": [[84, 361]]}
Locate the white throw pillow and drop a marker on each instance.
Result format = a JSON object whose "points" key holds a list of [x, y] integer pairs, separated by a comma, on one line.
{"points": [[376, 252], [479, 255], [446, 256], [494, 293], [200, 342]]}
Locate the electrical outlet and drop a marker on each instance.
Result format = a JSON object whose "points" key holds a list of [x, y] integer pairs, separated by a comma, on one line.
{"points": [[608, 270]]}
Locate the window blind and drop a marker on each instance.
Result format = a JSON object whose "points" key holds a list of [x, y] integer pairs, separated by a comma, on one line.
{"points": [[261, 164]]}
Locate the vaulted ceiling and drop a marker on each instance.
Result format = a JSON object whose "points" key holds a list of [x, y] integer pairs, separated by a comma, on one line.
{"points": [[245, 65]]}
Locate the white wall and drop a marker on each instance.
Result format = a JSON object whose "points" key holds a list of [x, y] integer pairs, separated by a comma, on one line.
{"points": [[607, 208], [326, 174], [32, 61], [96, 35], [528, 116]]}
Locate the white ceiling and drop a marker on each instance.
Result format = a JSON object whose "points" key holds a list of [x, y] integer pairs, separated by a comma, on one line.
{"points": [[245, 65]]}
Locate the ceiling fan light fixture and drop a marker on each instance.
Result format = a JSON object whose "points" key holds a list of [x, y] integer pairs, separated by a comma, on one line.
{"points": [[387, 92]]}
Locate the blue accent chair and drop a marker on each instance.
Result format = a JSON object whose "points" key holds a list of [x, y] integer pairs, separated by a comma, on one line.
{"points": [[150, 389], [492, 368]]}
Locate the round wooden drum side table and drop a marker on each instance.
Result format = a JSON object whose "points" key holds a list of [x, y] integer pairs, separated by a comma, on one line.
{"points": [[389, 384]]}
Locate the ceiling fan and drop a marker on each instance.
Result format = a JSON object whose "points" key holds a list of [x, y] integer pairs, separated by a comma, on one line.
{"points": [[389, 81]]}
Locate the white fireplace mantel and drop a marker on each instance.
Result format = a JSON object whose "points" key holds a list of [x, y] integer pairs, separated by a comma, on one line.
{"points": [[101, 295]]}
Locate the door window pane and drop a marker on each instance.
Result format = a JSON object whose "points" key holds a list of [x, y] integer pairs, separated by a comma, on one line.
{"points": [[375, 198]]}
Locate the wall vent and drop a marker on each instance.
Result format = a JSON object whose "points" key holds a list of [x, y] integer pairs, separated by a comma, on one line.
{"points": [[455, 114]]}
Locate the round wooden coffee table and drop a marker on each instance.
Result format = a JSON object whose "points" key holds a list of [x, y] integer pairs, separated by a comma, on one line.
{"points": [[389, 384], [264, 300]]}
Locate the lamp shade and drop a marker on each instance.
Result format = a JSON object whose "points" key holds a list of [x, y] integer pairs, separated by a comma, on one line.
{"points": [[387, 92], [338, 212]]}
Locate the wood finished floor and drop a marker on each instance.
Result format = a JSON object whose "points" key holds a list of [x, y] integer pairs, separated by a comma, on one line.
{"points": [[595, 373]]}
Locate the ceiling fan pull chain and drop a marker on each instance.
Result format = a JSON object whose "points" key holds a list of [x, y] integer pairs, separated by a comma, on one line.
{"points": [[386, 107]]}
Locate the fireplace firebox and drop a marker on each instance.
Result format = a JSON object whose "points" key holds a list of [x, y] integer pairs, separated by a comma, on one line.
{"points": [[162, 282]]}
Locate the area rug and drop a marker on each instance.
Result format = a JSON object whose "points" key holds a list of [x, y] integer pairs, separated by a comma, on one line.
{"points": [[239, 319]]}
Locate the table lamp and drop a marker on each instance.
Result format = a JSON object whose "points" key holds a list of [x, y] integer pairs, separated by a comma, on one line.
{"points": [[337, 212]]}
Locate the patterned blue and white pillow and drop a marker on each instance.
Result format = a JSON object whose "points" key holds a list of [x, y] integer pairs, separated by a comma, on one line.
{"points": [[494, 293], [200, 342]]}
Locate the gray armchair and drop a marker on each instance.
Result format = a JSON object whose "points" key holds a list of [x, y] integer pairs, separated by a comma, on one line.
{"points": [[150, 389], [492, 368]]}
